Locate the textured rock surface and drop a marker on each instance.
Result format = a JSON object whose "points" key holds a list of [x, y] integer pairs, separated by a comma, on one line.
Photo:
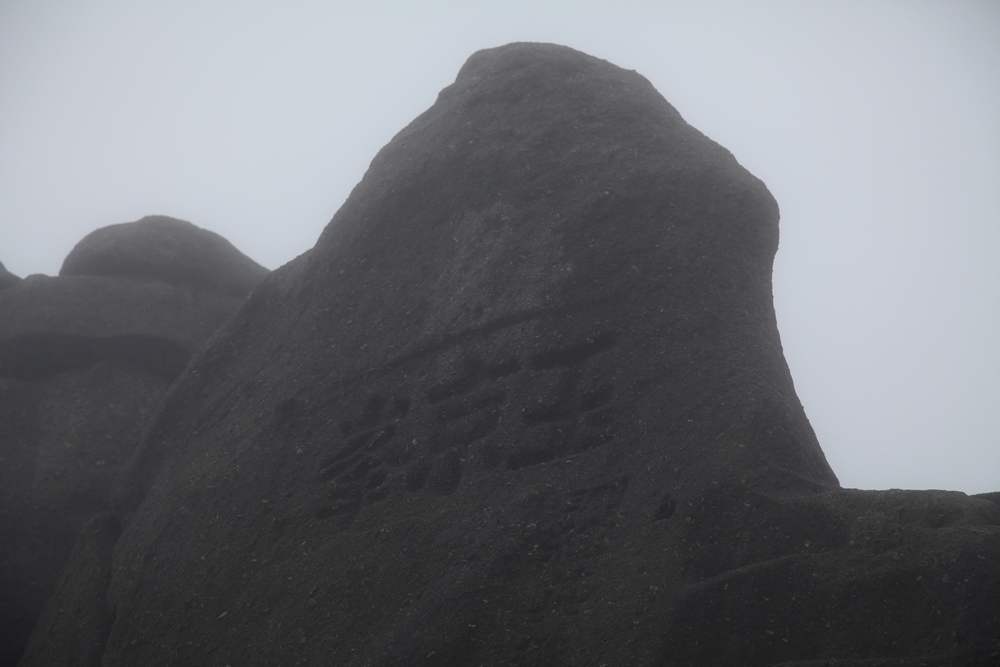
{"points": [[524, 403], [168, 250], [7, 279], [84, 361]]}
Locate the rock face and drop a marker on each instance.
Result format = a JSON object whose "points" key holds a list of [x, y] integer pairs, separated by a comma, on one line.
{"points": [[84, 361], [523, 403]]}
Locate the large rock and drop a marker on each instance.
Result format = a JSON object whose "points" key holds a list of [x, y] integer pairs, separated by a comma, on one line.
{"points": [[84, 361], [524, 403]]}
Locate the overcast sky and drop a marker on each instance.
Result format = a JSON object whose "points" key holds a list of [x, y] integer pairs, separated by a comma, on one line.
{"points": [[875, 124]]}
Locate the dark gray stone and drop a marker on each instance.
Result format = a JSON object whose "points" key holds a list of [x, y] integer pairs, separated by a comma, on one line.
{"points": [[7, 279], [80, 608]]}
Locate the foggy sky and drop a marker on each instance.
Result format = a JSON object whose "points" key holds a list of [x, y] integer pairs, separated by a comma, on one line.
{"points": [[875, 124]]}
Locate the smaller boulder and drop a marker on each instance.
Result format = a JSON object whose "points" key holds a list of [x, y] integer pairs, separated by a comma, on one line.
{"points": [[168, 250]]}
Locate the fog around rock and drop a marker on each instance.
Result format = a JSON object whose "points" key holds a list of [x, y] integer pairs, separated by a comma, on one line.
{"points": [[875, 126], [524, 402]]}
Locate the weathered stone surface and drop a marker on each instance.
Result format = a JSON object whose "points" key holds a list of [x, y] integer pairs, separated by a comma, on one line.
{"points": [[84, 362], [165, 249], [525, 403], [7, 279]]}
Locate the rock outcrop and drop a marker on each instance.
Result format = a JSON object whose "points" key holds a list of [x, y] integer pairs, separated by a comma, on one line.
{"points": [[84, 362], [524, 403]]}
